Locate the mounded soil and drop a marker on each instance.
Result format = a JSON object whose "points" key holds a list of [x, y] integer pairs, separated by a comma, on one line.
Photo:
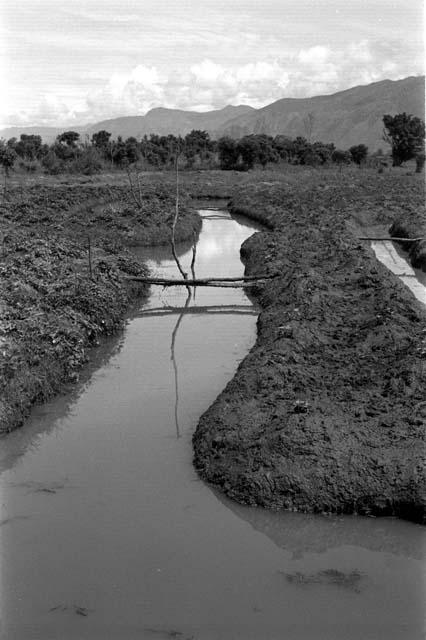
{"points": [[327, 413], [55, 303]]}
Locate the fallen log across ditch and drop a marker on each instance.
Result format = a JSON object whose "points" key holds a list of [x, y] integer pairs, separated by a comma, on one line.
{"points": [[391, 239]]}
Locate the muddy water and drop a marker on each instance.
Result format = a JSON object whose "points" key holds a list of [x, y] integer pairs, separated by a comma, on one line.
{"points": [[107, 533]]}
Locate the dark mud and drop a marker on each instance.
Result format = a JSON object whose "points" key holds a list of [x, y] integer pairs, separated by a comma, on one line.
{"points": [[58, 297], [327, 412]]}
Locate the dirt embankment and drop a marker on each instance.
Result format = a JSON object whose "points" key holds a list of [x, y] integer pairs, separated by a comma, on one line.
{"points": [[327, 412], [55, 302], [412, 225]]}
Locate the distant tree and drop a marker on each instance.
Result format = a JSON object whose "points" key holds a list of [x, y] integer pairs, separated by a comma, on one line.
{"points": [[228, 153], [301, 149], [248, 149], [7, 160], [100, 139], [28, 147], [70, 138], [89, 161], [197, 146], [51, 162], [266, 152], [341, 157], [131, 147], [359, 153], [406, 134], [284, 146], [7, 157], [323, 151]]}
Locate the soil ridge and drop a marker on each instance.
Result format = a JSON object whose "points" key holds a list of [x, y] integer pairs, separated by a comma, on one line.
{"points": [[327, 412], [64, 280]]}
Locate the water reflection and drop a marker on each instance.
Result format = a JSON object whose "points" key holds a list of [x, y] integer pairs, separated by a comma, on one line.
{"points": [[174, 361], [108, 518], [214, 309], [48, 417], [302, 534]]}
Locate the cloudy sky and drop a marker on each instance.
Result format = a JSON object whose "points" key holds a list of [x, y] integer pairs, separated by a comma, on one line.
{"points": [[83, 61]]}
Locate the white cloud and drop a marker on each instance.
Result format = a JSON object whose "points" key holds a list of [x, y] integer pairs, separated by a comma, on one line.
{"points": [[208, 73], [209, 84], [314, 56]]}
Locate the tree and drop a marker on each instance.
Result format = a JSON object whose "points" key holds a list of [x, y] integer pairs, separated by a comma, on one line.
{"points": [[359, 153], [69, 138], [7, 160], [406, 134], [131, 149], [341, 157], [228, 153], [100, 139], [284, 146], [301, 148], [197, 146], [266, 152], [29, 147], [7, 157], [323, 151], [248, 148]]}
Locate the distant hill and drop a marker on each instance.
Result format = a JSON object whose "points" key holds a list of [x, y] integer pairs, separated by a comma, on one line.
{"points": [[348, 117], [47, 133], [175, 121]]}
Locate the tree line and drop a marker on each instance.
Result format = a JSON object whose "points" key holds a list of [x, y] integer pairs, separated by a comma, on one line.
{"points": [[69, 153]]}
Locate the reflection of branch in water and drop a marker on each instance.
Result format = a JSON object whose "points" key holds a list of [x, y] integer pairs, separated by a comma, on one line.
{"points": [[173, 359], [213, 217], [217, 309], [194, 255]]}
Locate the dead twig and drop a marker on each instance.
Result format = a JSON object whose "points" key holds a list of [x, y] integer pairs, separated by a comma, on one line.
{"points": [[175, 219]]}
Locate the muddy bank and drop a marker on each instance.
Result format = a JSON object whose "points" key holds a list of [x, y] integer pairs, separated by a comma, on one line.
{"points": [[110, 214], [327, 412], [412, 225], [56, 299]]}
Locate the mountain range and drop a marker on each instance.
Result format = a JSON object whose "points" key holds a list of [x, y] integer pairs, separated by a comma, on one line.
{"points": [[353, 116]]}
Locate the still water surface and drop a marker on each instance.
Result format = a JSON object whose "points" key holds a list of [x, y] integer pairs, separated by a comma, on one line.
{"points": [[107, 532]]}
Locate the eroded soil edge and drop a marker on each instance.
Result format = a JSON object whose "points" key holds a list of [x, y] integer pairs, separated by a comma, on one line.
{"points": [[58, 295], [327, 412]]}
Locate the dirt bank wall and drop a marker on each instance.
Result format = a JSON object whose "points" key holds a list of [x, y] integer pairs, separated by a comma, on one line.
{"points": [[57, 299], [327, 412]]}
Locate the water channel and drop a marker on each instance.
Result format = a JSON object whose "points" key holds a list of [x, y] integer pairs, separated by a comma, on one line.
{"points": [[108, 533]]}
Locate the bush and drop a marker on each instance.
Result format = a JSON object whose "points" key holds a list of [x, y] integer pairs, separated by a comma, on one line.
{"points": [[51, 163]]}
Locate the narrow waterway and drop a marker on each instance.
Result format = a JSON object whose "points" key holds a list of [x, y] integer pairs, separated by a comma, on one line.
{"points": [[397, 261], [108, 533]]}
